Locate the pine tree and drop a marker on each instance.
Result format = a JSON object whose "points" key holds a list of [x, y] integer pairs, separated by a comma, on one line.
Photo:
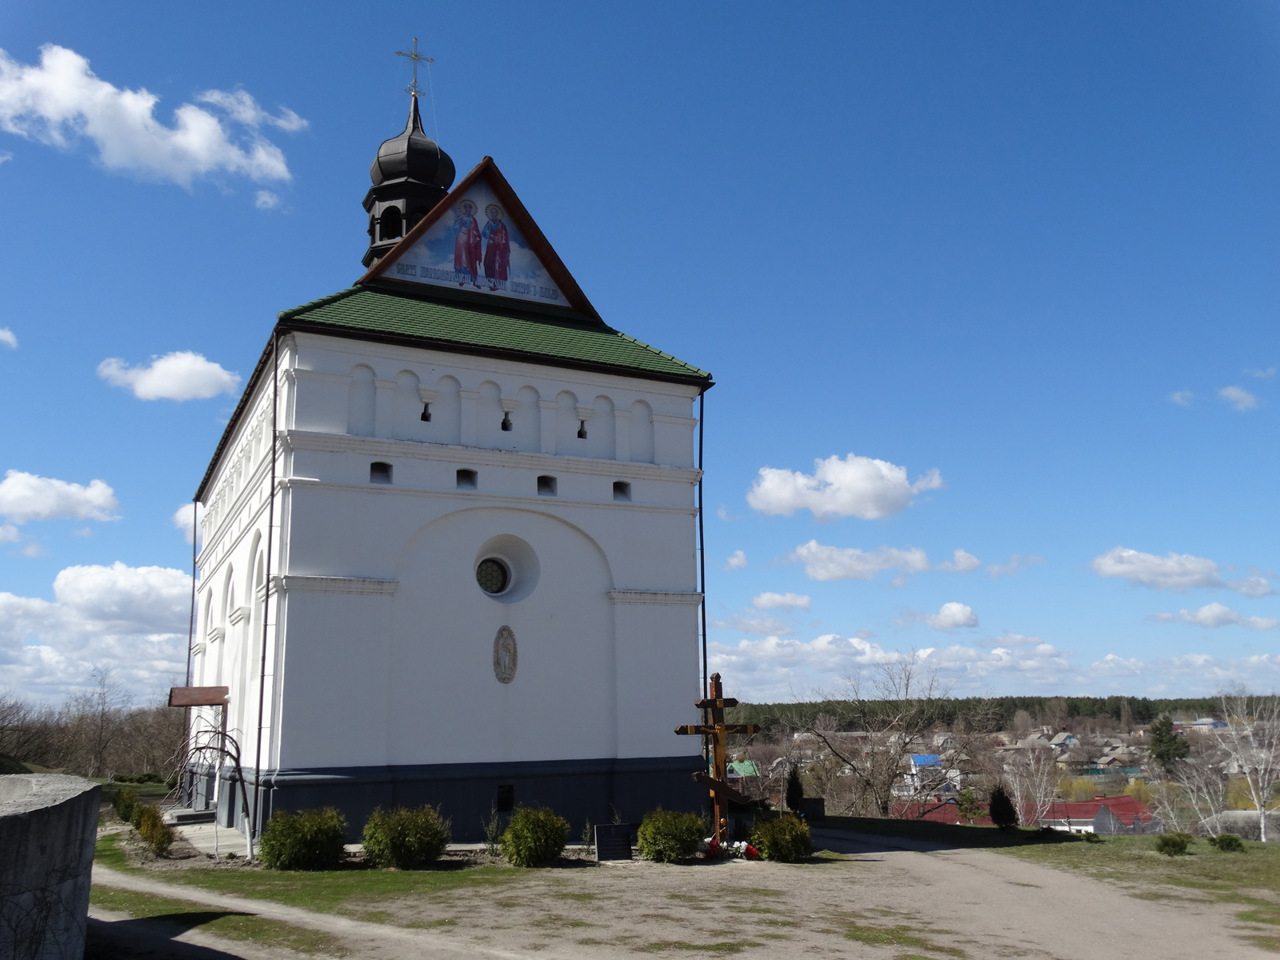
{"points": [[1003, 815], [1167, 748], [795, 789], [968, 806]]}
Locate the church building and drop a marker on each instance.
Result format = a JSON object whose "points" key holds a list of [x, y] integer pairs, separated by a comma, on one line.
{"points": [[449, 548]]}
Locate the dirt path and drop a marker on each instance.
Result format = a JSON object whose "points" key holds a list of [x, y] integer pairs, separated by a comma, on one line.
{"points": [[882, 902]]}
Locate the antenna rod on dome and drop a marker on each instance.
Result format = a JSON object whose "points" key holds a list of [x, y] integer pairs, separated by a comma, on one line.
{"points": [[414, 90]]}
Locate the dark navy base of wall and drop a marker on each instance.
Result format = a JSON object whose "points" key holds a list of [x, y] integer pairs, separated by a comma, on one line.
{"points": [[579, 790]]}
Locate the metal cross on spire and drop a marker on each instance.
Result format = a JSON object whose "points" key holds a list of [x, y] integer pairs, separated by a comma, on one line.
{"points": [[413, 89]]}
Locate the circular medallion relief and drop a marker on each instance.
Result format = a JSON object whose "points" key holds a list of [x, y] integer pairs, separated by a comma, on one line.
{"points": [[504, 655]]}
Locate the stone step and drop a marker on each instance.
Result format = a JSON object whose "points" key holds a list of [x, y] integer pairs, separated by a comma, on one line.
{"points": [[178, 816]]}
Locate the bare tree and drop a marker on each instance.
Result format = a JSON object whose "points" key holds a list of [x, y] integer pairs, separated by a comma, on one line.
{"points": [[889, 710], [1032, 777], [1251, 739], [26, 732], [1203, 779]]}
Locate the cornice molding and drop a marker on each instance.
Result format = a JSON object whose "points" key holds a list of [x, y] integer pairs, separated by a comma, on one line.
{"points": [[366, 586]]}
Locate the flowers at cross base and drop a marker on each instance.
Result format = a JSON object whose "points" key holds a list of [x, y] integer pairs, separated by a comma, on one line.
{"points": [[712, 849]]}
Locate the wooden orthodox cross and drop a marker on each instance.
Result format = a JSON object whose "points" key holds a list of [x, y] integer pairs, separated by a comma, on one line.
{"points": [[716, 731]]}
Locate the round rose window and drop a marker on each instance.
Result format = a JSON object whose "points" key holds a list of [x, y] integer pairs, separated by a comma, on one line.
{"points": [[493, 576]]}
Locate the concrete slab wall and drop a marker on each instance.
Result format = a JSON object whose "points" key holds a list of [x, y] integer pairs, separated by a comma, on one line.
{"points": [[48, 825]]}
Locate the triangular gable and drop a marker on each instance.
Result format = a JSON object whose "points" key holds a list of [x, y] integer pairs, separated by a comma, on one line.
{"points": [[480, 239]]}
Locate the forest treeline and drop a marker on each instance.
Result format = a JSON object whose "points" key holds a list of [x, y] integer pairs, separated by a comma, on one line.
{"points": [[981, 714]]}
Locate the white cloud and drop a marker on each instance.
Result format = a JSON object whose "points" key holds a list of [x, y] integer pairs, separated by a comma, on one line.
{"points": [[243, 109], [1262, 374], [780, 601], [772, 669], [1218, 615], [5, 156], [737, 560], [763, 626], [1016, 562], [1177, 571], [9, 533], [952, 616], [266, 200], [722, 512], [25, 497], [183, 518], [61, 101], [777, 668], [33, 549], [133, 619], [1239, 398], [8, 338], [182, 375], [822, 562], [1251, 586], [961, 562], [850, 487], [1182, 398]]}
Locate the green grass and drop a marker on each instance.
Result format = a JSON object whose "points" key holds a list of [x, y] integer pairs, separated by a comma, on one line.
{"points": [[353, 892], [723, 948], [170, 911], [898, 935], [110, 854]]}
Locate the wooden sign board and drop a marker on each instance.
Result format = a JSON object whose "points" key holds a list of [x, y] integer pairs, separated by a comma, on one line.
{"points": [[198, 696]]}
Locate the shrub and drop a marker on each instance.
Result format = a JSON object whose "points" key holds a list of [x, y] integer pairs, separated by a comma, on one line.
{"points": [[1001, 810], [667, 836], [967, 805], [785, 839], [123, 802], [405, 839], [1227, 843], [535, 835], [307, 840], [1173, 844], [155, 833]]}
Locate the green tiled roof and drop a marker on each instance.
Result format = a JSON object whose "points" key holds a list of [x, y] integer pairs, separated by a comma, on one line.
{"points": [[382, 313]]}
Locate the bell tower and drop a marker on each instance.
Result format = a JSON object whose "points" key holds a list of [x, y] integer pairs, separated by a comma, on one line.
{"points": [[410, 175]]}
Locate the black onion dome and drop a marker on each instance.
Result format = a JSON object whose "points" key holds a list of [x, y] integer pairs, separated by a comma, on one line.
{"points": [[413, 155]]}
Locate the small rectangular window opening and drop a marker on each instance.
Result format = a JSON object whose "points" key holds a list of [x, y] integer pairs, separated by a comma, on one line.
{"points": [[426, 413], [466, 479], [546, 486], [505, 801], [379, 472], [506, 422], [621, 490]]}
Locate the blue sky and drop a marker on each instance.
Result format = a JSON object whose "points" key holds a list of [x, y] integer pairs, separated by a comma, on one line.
{"points": [[989, 291]]}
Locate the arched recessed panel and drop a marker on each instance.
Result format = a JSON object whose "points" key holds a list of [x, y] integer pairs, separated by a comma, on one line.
{"points": [[567, 425], [489, 416], [446, 412], [602, 436], [527, 421], [407, 424], [641, 432], [361, 402]]}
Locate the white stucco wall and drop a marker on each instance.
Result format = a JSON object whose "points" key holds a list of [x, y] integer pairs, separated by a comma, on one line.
{"points": [[380, 640]]}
